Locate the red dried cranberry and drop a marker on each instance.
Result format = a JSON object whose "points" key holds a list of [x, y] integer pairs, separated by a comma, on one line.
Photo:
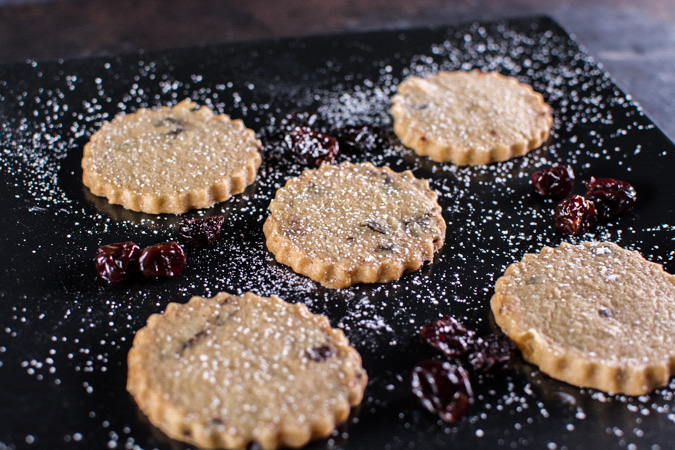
{"points": [[575, 216], [363, 138], [555, 181], [162, 260], [611, 196], [115, 261], [311, 147], [442, 388], [491, 353], [201, 231], [449, 336]]}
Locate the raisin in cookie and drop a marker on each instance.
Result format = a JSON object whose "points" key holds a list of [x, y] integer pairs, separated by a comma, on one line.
{"points": [[593, 315], [469, 117], [354, 223], [231, 370], [170, 160]]}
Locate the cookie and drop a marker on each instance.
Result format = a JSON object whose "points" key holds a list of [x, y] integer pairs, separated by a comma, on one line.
{"points": [[170, 160], [354, 223], [469, 117], [229, 371], [593, 315]]}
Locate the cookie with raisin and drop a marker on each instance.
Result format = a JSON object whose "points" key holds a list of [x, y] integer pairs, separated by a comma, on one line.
{"points": [[593, 315], [354, 223], [230, 371], [469, 117], [170, 159]]}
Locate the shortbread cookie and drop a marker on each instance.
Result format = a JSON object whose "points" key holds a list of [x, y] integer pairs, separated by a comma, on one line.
{"points": [[170, 160], [354, 223], [227, 371], [593, 315], [469, 117]]}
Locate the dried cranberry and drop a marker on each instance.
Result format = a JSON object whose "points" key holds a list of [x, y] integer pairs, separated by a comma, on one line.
{"points": [[162, 260], [555, 181], [363, 138], [201, 231], [115, 261], [491, 353], [175, 125], [575, 216], [611, 196], [321, 353], [311, 147], [442, 388], [449, 336]]}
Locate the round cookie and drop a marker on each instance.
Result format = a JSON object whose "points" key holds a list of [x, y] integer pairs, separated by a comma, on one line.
{"points": [[593, 315], [354, 223], [232, 370], [469, 117], [170, 160]]}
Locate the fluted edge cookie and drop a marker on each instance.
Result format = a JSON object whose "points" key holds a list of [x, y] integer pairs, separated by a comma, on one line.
{"points": [[469, 117], [227, 371], [354, 223], [592, 315], [170, 159]]}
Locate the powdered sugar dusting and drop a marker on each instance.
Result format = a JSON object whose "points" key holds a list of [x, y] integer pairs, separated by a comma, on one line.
{"points": [[49, 110]]}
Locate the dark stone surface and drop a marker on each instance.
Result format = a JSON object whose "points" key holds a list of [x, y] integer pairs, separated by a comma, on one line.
{"points": [[65, 336]]}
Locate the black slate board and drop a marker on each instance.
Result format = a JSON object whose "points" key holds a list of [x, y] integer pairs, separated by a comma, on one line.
{"points": [[64, 334]]}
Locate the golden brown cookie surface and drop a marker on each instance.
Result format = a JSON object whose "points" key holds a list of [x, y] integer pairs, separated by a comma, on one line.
{"points": [[170, 160], [354, 223], [592, 315], [231, 370], [469, 117]]}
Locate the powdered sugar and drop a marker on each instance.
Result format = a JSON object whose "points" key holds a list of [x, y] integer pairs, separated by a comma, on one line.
{"points": [[55, 315]]}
